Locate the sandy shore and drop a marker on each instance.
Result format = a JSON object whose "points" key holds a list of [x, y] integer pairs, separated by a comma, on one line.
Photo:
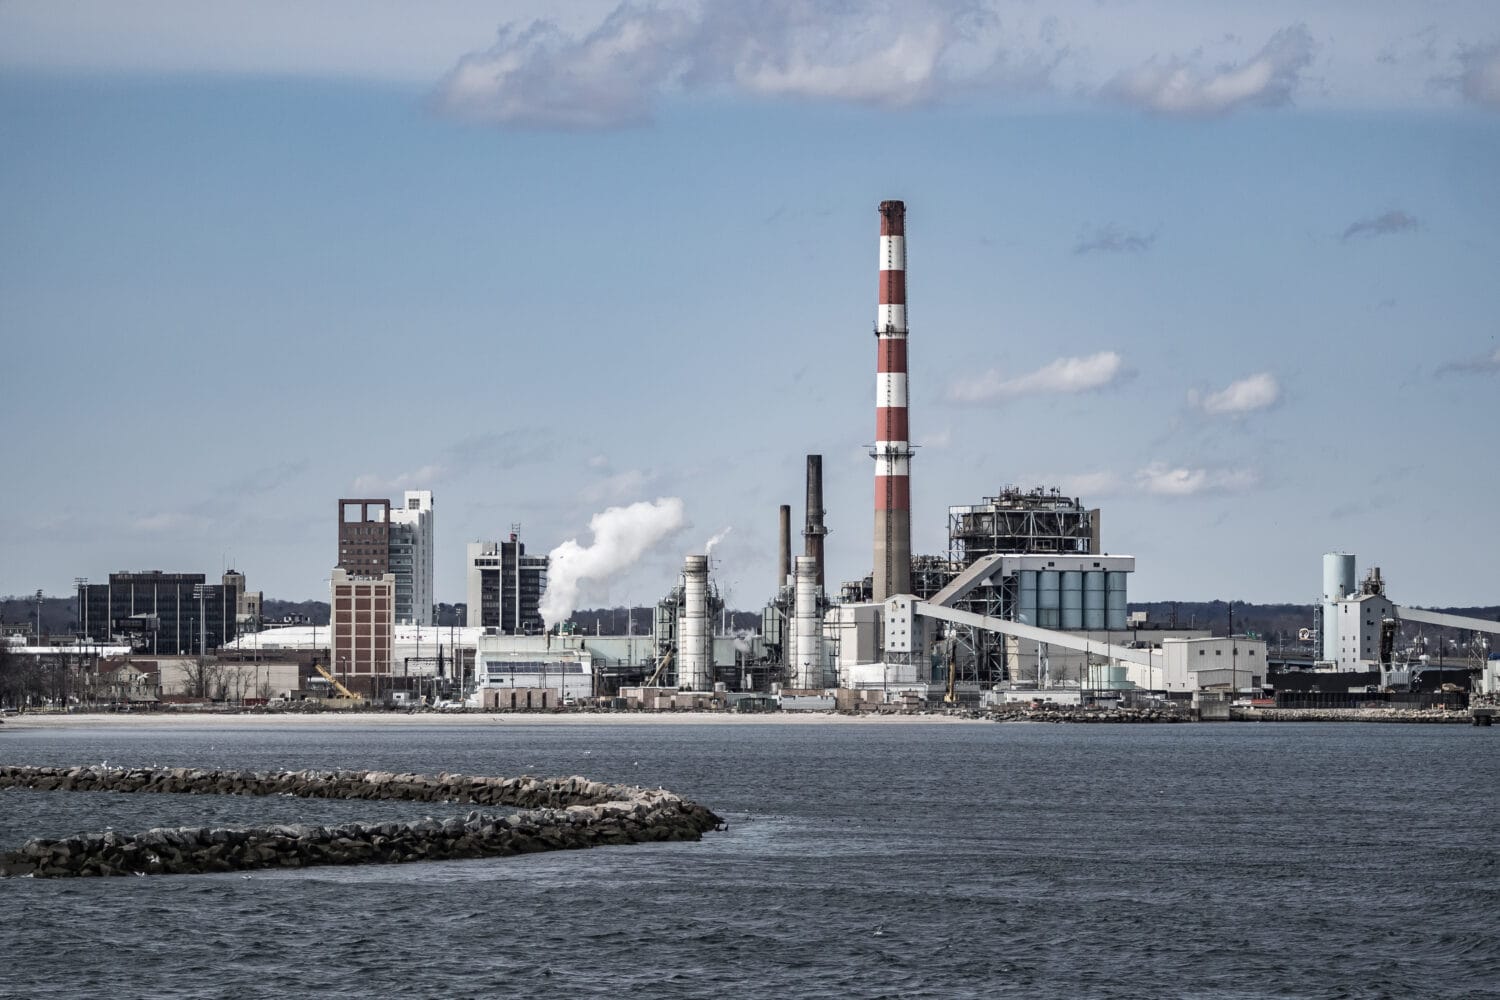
{"points": [[345, 720]]}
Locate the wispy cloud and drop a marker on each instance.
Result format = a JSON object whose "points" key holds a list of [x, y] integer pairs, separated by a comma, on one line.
{"points": [[1174, 86], [887, 54], [1394, 221], [1247, 395], [1162, 479], [423, 477], [170, 522], [1065, 375], [1485, 364], [1479, 74], [1112, 239], [627, 484], [1159, 479]]}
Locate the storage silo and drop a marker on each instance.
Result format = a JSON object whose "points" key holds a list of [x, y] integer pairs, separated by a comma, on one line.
{"points": [[1093, 600], [1114, 601], [1338, 582], [1049, 599], [1026, 596], [1072, 600]]}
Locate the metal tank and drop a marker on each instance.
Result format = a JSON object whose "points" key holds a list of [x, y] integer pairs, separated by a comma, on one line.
{"points": [[1338, 581], [1072, 599], [1114, 600], [694, 642], [1093, 600]]}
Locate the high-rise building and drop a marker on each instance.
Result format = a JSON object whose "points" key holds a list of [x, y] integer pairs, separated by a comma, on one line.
{"points": [[364, 537], [363, 627], [168, 614], [505, 587], [410, 557]]}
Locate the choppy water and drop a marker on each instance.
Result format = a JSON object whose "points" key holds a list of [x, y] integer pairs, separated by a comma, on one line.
{"points": [[1231, 861]]}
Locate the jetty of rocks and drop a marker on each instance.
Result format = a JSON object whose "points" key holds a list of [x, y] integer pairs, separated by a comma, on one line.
{"points": [[556, 814]]}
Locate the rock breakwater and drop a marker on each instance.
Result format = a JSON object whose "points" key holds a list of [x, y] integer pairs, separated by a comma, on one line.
{"points": [[556, 814]]}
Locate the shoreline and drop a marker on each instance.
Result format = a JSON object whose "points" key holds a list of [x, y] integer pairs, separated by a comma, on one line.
{"points": [[333, 720]]}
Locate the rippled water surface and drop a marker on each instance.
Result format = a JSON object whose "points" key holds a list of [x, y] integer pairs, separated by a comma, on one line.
{"points": [[861, 861]]}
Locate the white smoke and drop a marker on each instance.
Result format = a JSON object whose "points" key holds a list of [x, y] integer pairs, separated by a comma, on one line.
{"points": [[621, 536], [709, 547]]}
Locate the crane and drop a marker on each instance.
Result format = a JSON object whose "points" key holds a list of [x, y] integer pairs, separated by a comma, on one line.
{"points": [[343, 691], [660, 666]]}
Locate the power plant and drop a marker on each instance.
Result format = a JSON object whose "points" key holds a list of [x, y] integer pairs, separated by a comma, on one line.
{"points": [[1025, 603]]}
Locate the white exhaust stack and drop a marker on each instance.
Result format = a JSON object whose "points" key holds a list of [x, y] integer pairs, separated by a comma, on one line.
{"points": [[694, 642], [807, 648]]}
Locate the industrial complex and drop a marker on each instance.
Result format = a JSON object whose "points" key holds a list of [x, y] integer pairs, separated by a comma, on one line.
{"points": [[1025, 605]]}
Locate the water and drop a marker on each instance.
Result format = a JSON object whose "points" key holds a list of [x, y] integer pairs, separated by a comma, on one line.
{"points": [[1233, 861]]}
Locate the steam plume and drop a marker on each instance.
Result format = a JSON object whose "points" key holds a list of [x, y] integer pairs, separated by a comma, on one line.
{"points": [[621, 536]]}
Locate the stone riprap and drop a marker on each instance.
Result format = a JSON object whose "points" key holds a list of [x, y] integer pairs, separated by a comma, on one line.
{"points": [[557, 814]]}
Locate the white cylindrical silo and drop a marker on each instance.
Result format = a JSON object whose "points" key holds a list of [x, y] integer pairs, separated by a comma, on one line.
{"points": [[694, 663], [807, 665], [1338, 582], [1114, 601], [1072, 599], [1093, 600]]}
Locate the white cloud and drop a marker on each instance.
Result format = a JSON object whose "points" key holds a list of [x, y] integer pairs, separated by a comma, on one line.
{"points": [[1083, 484], [1485, 364], [1161, 479], [1394, 221], [170, 522], [937, 440], [622, 535], [1251, 393], [1113, 239], [1065, 375], [621, 485], [420, 478], [887, 54], [1480, 78], [1173, 86]]}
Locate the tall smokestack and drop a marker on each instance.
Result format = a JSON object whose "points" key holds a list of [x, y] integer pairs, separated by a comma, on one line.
{"points": [[814, 531], [694, 642], [784, 567], [892, 451]]}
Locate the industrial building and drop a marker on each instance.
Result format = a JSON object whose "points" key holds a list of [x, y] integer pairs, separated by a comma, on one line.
{"points": [[362, 630]]}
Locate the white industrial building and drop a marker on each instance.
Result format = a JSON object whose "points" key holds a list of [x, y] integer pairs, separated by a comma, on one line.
{"points": [[559, 664], [1191, 664]]}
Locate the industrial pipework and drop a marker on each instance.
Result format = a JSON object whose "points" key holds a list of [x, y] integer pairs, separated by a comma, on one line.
{"points": [[892, 451]]}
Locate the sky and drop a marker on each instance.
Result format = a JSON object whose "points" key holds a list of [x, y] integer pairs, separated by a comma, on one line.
{"points": [[1226, 271]]}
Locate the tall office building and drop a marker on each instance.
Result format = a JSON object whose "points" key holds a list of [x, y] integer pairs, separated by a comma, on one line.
{"points": [[362, 627], [410, 556], [505, 587]]}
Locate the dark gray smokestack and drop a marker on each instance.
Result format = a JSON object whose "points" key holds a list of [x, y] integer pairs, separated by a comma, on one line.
{"points": [[784, 566], [814, 531]]}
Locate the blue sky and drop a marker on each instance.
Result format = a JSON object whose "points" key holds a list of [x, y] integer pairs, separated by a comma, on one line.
{"points": [[1228, 274]]}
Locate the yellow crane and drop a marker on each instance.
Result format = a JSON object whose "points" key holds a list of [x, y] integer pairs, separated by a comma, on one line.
{"points": [[343, 691]]}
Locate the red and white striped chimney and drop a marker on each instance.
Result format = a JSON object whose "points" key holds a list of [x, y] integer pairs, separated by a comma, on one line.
{"points": [[892, 451]]}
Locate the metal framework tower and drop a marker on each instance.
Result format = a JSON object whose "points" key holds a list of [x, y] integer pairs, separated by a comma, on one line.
{"points": [[892, 451]]}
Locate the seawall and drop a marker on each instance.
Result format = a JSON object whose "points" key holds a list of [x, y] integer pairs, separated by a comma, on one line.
{"points": [[557, 814]]}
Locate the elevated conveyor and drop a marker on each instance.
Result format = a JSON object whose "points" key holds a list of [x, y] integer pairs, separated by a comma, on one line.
{"points": [[1066, 640]]}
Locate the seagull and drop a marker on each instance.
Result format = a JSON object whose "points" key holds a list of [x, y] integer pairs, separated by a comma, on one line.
{"points": [[140, 874], [880, 931]]}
